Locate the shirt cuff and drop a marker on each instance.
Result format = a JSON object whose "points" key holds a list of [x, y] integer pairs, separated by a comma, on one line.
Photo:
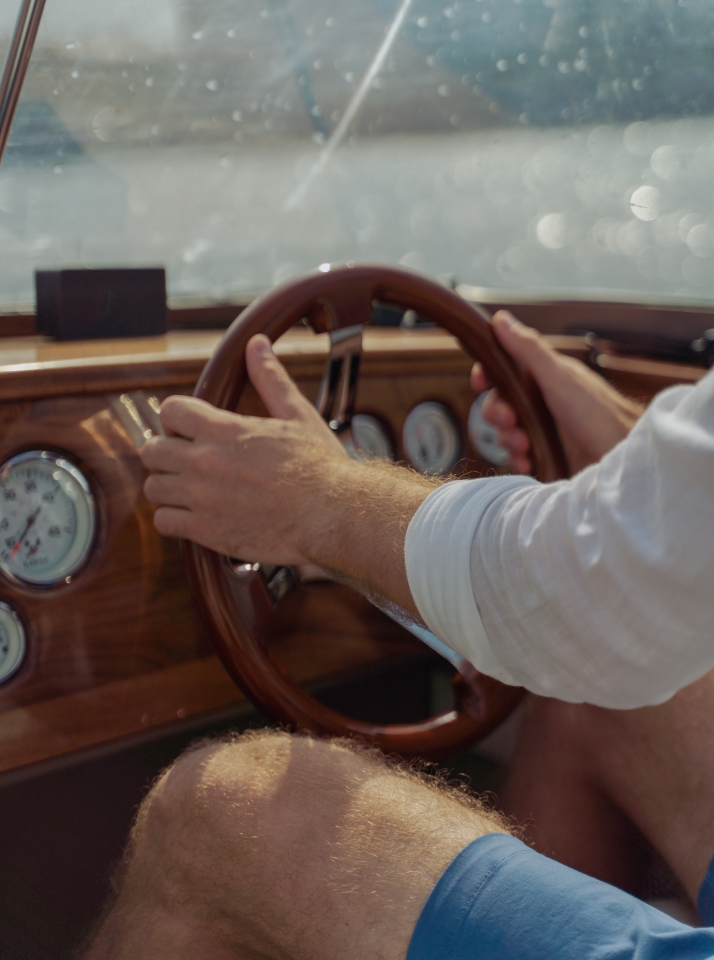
{"points": [[437, 554]]}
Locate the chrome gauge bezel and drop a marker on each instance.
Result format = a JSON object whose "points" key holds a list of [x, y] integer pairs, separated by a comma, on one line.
{"points": [[440, 412], [86, 520], [12, 626]]}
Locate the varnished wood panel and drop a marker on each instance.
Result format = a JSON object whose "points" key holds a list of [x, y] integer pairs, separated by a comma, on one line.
{"points": [[129, 610], [322, 631]]}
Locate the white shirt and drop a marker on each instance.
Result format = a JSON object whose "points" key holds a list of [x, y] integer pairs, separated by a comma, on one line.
{"points": [[599, 588]]}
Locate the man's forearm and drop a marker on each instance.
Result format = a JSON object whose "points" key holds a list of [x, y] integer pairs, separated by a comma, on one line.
{"points": [[359, 523]]}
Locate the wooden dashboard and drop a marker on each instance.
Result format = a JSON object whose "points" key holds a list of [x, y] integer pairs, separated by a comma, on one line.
{"points": [[119, 650]]}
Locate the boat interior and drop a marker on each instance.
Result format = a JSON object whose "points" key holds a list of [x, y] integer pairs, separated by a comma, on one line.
{"points": [[236, 145]]}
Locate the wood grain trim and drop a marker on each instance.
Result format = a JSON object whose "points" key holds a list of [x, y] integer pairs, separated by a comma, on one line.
{"points": [[178, 359], [51, 728], [54, 728]]}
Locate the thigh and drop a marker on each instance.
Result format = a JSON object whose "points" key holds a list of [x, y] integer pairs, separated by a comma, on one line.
{"points": [[592, 775]]}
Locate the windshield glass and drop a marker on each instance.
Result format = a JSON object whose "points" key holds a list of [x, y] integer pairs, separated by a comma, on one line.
{"points": [[547, 147]]}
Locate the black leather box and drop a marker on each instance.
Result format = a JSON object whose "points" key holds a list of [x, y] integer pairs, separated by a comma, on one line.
{"points": [[94, 304]]}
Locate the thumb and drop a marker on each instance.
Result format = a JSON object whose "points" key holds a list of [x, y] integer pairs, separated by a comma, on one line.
{"points": [[526, 346], [270, 378]]}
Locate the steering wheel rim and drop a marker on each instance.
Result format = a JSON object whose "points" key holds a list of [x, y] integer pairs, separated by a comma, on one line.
{"points": [[236, 604]]}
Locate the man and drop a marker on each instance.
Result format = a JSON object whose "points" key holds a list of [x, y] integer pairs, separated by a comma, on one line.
{"points": [[279, 846]]}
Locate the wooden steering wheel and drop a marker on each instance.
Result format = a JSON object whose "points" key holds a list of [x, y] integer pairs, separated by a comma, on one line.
{"points": [[237, 600]]}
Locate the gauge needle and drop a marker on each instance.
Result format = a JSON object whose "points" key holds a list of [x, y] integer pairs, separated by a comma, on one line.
{"points": [[422, 446], [30, 520]]}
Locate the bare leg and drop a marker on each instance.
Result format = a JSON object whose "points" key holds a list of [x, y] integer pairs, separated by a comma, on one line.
{"points": [[279, 846], [591, 783]]}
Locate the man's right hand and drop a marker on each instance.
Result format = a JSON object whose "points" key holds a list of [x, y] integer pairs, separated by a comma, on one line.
{"points": [[592, 417]]}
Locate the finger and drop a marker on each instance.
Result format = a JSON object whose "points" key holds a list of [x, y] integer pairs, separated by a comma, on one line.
{"points": [[174, 522], [520, 464], [526, 346], [272, 381], [516, 441], [185, 416], [166, 489], [498, 413], [165, 454], [479, 381]]}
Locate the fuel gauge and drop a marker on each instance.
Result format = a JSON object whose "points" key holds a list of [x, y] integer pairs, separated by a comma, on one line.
{"points": [[431, 438]]}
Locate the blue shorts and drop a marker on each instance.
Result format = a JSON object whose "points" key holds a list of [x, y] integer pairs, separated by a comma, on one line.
{"points": [[500, 900]]}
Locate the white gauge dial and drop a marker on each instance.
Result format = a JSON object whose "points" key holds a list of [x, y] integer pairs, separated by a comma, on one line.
{"points": [[47, 518], [431, 440], [483, 436], [12, 642], [370, 437]]}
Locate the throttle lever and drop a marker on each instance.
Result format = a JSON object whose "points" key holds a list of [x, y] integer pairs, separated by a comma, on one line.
{"points": [[338, 388]]}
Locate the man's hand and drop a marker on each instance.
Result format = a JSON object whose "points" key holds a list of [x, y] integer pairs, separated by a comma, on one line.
{"points": [[591, 416], [241, 485], [281, 489]]}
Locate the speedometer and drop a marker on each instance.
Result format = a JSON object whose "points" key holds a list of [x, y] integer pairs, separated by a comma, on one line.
{"points": [[47, 518]]}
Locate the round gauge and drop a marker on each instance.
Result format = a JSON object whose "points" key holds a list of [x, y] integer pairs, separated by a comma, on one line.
{"points": [[12, 642], [483, 436], [430, 438], [370, 437], [47, 518]]}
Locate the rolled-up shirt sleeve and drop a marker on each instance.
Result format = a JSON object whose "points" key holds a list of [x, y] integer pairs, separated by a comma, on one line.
{"points": [[596, 589]]}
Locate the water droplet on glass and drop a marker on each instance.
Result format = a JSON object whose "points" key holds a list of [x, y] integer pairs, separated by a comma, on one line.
{"points": [[700, 240], [57, 169], [638, 83], [522, 58], [69, 46], [330, 22], [317, 65], [644, 203], [486, 17], [551, 231], [350, 77], [543, 60], [502, 65], [211, 84], [74, 74], [422, 22], [237, 116], [231, 33], [149, 81], [563, 66], [443, 90]]}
